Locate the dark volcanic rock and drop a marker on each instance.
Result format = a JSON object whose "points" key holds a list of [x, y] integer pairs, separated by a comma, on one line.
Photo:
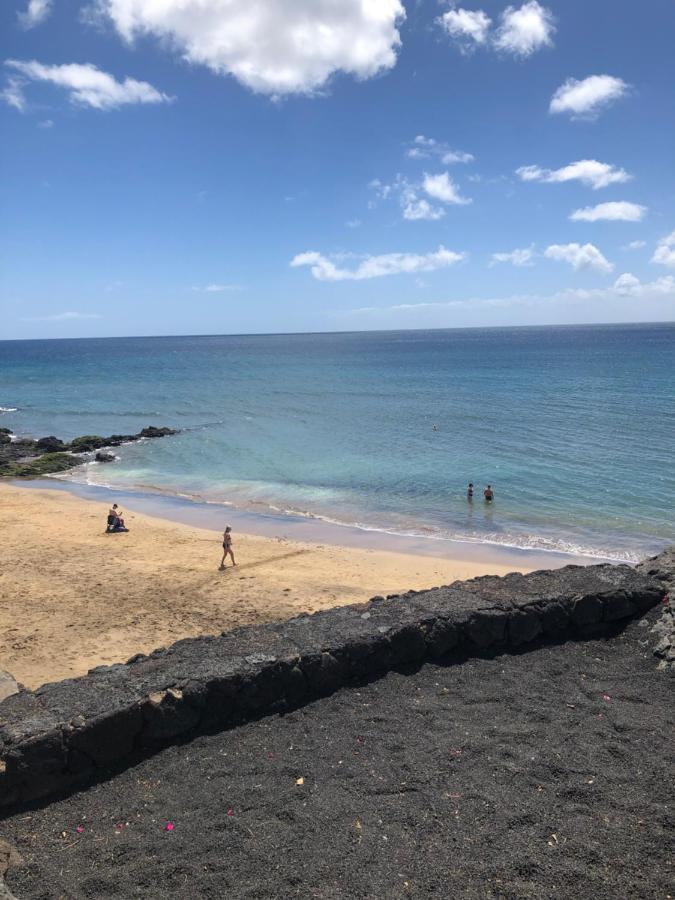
{"points": [[50, 444], [59, 734], [104, 456], [30, 459], [152, 432]]}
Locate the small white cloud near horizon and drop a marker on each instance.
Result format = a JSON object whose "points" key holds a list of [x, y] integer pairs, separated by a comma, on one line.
{"points": [[626, 286], [588, 171], [35, 13], [442, 187], [353, 223], [68, 316], [88, 85], [525, 30], [216, 288], [579, 256], [520, 257], [426, 148], [272, 47], [588, 97], [634, 245], [664, 255], [615, 211], [324, 269]]}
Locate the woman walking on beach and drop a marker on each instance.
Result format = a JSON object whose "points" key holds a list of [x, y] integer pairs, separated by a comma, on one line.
{"points": [[227, 547]]}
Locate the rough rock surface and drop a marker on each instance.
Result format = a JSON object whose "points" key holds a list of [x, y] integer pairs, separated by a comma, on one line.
{"points": [[62, 733], [544, 775], [27, 458]]}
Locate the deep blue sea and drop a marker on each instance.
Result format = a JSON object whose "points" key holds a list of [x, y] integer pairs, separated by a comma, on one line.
{"points": [[573, 426]]}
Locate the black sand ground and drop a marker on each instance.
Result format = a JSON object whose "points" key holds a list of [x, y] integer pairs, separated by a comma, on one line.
{"points": [[543, 775]]}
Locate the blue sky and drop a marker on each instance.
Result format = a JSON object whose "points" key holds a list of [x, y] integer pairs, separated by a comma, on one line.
{"points": [[315, 166]]}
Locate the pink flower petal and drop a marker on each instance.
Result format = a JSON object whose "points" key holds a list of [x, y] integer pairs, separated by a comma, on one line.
{"points": [[169, 826], [606, 698], [79, 829], [230, 812]]}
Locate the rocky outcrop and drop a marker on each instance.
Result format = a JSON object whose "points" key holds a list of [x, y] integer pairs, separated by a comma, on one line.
{"points": [[64, 733], [27, 458]]}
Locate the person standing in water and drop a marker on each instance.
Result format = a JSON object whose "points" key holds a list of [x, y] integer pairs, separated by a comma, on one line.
{"points": [[488, 493], [469, 492], [227, 547]]}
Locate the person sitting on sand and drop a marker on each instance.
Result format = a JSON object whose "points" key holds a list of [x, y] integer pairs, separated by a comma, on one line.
{"points": [[115, 520], [227, 547], [489, 494], [469, 492]]}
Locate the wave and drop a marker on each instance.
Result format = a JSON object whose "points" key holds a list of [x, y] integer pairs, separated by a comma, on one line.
{"points": [[89, 473], [8, 409]]}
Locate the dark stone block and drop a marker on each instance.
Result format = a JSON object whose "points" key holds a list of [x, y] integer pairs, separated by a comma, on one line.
{"points": [[554, 618], [442, 638], [107, 738], [524, 626], [618, 605], [166, 715], [586, 610], [407, 645], [486, 628]]}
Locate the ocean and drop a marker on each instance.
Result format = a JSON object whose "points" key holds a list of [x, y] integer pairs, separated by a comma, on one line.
{"points": [[573, 426]]}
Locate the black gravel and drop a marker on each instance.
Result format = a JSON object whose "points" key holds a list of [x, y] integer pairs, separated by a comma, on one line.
{"points": [[542, 775]]}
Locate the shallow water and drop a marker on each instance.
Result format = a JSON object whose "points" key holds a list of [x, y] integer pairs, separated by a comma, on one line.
{"points": [[573, 426]]}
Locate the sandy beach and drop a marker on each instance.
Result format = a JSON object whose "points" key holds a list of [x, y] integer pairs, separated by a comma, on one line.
{"points": [[73, 597]]}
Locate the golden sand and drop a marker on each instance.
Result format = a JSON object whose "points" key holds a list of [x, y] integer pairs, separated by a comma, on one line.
{"points": [[73, 597]]}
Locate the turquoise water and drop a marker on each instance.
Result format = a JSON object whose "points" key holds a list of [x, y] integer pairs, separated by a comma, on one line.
{"points": [[573, 426]]}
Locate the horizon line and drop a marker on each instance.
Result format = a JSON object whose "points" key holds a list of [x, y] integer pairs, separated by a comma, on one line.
{"points": [[120, 337]]}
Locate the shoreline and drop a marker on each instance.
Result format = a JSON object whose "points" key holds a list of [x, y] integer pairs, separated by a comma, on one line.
{"points": [[213, 515], [73, 597]]}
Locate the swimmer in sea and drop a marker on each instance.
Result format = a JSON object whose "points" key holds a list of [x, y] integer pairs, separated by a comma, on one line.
{"points": [[469, 492], [488, 493]]}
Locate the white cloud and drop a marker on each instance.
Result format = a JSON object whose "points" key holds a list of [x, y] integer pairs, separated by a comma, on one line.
{"points": [[442, 187], [664, 254], [586, 98], [425, 148], [353, 223], [468, 27], [521, 30], [13, 94], [579, 256], [35, 13], [519, 257], [271, 46], [46, 123], [634, 245], [625, 286], [416, 209], [524, 30], [90, 86], [62, 317], [616, 211], [324, 269], [588, 171], [216, 288]]}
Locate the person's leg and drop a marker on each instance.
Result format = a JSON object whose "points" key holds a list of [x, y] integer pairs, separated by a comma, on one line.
{"points": [[222, 562], [232, 557]]}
